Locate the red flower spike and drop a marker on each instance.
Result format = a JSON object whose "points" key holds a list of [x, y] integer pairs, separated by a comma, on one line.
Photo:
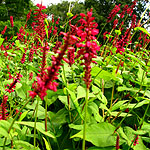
{"points": [[123, 12], [136, 137], [3, 111], [38, 25], [12, 86], [88, 51], [3, 32], [46, 81], [115, 23], [11, 21], [117, 142], [113, 13]]}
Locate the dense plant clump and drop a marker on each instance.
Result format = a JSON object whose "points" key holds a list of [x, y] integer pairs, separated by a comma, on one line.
{"points": [[62, 88]]}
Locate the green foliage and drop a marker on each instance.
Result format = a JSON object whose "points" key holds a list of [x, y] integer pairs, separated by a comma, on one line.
{"points": [[116, 105]]}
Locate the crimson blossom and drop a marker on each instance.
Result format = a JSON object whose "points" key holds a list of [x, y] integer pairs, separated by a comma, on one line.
{"points": [[3, 111], [47, 80], [11, 21], [88, 45], [113, 13]]}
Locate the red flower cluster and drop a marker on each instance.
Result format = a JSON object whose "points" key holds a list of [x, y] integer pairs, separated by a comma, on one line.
{"points": [[11, 21], [136, 139], [117, 142], [130, 9], [113, 13], [3, 32], [88, 51], [115, 23], [123, 12], [12, 86], [3, 111], [46, 81], [39, 18]]}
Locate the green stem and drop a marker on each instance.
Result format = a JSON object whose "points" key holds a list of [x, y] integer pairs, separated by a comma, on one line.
{"points": [[14, 121], [68, 97], [143, 14], [112, 96], [85, 118], [35, 122], [101, 31], [46, 113]]}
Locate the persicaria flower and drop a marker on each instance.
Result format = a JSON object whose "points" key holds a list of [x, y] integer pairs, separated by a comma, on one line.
{"points": [[30, 75], [12, 86], [136, 139], [3, 32], [115, 23], [123, 12], [46, 81], [117, 142], [39, 26], [11, 21], [23, 57], [29, 15], [87, 51], [3, 111], [113, 13]]}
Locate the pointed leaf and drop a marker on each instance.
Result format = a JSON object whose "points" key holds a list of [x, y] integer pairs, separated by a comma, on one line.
{"points": [[100, 135]]}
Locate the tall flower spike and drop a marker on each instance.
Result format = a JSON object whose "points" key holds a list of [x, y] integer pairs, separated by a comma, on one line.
{"points": [[113, 13], [87, 51], [3, 111], [136, 139], [47, 81], [117, 142], [11, 21], [12, 86], [39, 25], [3, 32]]}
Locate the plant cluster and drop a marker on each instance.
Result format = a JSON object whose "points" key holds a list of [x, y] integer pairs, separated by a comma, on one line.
{"points": [[62, 88]]}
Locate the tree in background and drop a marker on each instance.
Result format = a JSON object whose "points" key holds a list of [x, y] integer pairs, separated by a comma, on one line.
{"points": [[16, 8], [101, 10], [104, 7], [60, 10]]}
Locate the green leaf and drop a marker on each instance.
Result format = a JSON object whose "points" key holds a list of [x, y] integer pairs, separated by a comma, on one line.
{"points": [[23, 115], [100, 148], [142, 63], [75, 102], [118, 32], [140, 75], [64, 100], [48, 147], [17, 43], [69, 14], [4, 124], [20, 93], [142, 29], [81, 92], [19, 144], [95, 111], [100, 134], [1, 41], [39, 126], [118, 105], [4, 133], [60, 117], [46, 22], [76, 127], [103, 106], [46, 31]]}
